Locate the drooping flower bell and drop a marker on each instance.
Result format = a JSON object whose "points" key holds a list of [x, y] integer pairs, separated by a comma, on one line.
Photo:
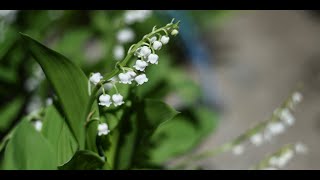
{"points": [[157, 45], [38, 125], [95, 78], [105, 100], [103, 129], [140, 79], [140, 65], [117, 99], [164, 39], [125, 78], [153, 58]]}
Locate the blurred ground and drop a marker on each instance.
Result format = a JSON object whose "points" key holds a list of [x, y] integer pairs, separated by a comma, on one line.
{"points": [[261, 56]]}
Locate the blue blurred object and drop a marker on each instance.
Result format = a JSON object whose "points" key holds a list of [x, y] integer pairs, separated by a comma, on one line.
{"points": [[198, 54]]}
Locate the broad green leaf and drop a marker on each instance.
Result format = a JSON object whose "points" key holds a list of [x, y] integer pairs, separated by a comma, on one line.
{"points": [[83, 160], [69, 83], [28, 150], [8, 112], [181, 134], [136, 126], [59, 136]]}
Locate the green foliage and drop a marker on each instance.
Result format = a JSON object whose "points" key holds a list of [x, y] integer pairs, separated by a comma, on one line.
{"points": [[28, 150], [57, 132], [145, 132], [83, 160], [69, 83]]}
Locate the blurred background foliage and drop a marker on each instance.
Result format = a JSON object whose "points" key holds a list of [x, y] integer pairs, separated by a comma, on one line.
{"points": [[88, 38]]}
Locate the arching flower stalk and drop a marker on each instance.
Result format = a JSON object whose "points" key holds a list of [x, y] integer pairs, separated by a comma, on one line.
{"points": [[144, 53], [257, 135], [281, 157]]}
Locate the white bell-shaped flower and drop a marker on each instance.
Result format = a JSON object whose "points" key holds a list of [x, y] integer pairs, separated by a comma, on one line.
{"points": [[103, 129], [125, 78], [118, 52], [132, 74], [117, 99], [256, 139], [105, 100], [157, 45], [276, 128], [140, 79], [287, 117], [125, 35], [140, 65], [153, 58], [145, 51], [153, 39], [164, 39], [95, 78], [38, 125]]}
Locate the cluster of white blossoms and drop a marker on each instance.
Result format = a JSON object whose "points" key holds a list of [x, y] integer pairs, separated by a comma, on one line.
{"points": [[144, 53], [126, 34], [284, 119], [281, 120], [281, 158]]}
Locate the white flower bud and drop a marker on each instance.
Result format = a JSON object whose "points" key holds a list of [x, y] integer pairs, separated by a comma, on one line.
{"points": [[140, 65], [117, 99], [164, 39], [103, 129], [125, 35], [153, 58], [118, 52], [157, 45], [105, 100], [174, 32], [140, 79], [95, 78]]}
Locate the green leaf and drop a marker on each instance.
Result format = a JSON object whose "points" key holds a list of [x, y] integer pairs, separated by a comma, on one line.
{"points": [[83, 160], [8, 112], [69, 83], [136, 126], [28, 150], [59, 136], [181, 134]]}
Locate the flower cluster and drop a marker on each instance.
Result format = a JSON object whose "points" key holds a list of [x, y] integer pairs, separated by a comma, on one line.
{"points": [[281, 119], [281, 158], [144, 53]]}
